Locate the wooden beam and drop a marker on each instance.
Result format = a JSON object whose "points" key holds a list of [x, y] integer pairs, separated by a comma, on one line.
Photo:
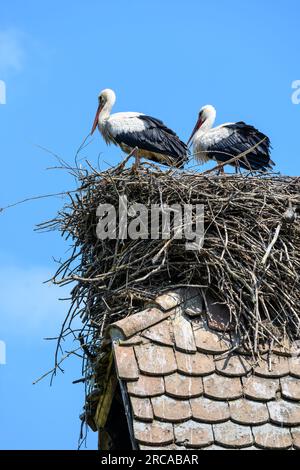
{"points": [[107, 396]]}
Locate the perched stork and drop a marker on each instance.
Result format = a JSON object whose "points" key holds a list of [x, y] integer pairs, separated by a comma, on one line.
{"points": [[138, 134], [224, 142]]}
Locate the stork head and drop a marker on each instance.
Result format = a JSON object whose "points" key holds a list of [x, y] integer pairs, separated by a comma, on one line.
{"points": [[206, 113], [106, 99]]}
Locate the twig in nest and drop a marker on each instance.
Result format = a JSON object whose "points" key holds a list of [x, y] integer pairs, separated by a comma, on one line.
{"points": [[274, 240]]}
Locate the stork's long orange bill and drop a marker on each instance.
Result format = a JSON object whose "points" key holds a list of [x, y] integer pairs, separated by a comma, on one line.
{"points": [[96, 119], [197, 126]]}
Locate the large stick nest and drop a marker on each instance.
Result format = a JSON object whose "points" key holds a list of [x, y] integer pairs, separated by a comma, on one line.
{"points": [[250, 259]]}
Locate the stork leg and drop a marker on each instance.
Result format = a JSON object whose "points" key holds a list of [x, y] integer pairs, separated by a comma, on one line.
{"points": [[134, 153], [137, 161]]}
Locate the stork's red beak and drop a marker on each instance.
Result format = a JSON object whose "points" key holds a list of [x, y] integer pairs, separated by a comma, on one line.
{"points": [[96, 119], [197, 126]]}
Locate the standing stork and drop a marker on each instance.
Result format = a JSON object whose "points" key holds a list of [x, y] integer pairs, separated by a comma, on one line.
{"points": [[224, 142], [138, 134]]}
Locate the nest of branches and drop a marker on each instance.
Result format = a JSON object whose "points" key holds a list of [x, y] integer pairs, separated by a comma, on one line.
{"points": [[250, 258]]}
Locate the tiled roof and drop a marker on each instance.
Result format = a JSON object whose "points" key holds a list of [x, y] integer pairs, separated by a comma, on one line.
{"points": [[191, 386]]}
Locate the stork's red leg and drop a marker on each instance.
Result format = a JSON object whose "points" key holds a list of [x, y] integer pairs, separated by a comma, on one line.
{"points": [[134, 153], [221, 171]]}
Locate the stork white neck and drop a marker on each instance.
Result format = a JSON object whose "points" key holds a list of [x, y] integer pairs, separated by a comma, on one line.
{"points": [[208, 117], [109, 98]]}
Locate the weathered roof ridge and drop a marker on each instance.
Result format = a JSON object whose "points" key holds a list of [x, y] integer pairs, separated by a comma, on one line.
{"points": [[163, 306]]}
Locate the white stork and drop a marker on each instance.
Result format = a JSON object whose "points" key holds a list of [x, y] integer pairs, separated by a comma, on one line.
{"points": [[138, 134], [224, 142]]}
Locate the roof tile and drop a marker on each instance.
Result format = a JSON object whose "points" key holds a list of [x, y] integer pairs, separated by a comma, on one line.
{"points": [[133, 324], [209, 411], [294, 349], [169, 409], [190, 434], [183, 333], [214, 447], [232, 435], [194, 364], [167, 447], [273, 366], [218, 315], [180, 386], [133, 341], [155, 360], [233, 365], [125, 362], [142, 408], [169, 300], [294, 363], [261, 389], [249, 412], [284, 413], [193, 302], [296, 437], [285, 348], [211, 341], [290, 388], [222, 388], [155, 433], [146, 386], [272, 437], [160, 333]]}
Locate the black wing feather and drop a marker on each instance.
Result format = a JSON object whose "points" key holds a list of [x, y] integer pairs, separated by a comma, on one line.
{"points": [[156, 138], [243, 138]]}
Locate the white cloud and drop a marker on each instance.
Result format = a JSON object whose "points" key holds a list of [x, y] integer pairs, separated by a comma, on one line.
{"points": [[11, 50], [27, 304]]}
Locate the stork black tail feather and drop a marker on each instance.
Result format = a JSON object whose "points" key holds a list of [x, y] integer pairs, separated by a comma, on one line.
{"points": [[164, 141], [258, 144]]}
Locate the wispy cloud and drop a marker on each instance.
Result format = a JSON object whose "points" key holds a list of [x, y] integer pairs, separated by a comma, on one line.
{"points": [[11, 50], [27, 304]]}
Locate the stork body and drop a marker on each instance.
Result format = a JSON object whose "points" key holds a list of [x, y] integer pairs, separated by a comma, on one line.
{"points": [[135, 132], [229, 140]]}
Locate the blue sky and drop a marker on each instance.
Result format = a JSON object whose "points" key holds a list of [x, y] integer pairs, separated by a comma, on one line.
{"points": [[164, 58]]}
